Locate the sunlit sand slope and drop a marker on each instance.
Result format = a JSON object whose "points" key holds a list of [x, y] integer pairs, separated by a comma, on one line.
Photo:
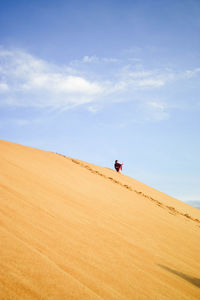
{"points": [[72, 230]]}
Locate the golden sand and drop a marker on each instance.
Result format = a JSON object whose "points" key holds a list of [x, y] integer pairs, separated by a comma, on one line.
{"points": [[73, 230]]}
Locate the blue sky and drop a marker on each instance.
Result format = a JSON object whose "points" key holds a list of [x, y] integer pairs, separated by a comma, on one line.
{"points": [[106, 80]]}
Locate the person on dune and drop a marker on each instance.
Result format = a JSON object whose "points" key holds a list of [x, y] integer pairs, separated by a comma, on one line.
{"points": [[118, 166]]}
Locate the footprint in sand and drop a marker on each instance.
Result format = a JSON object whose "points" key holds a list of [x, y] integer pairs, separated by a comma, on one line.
{"points": [[170, 209]]}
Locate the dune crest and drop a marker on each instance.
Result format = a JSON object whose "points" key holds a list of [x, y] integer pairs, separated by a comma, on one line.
{"points": [[73, 230], [171, 209]]}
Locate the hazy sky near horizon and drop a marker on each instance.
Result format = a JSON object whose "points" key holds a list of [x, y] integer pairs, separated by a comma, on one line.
{"points": [[106, 80]]}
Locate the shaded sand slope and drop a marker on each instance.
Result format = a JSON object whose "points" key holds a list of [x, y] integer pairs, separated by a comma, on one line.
{"points": [[72, 230]]}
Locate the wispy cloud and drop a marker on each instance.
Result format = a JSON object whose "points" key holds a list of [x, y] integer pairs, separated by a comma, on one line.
{"points": [[191, 73], [96, 59], [158, 110], [28, 81]]}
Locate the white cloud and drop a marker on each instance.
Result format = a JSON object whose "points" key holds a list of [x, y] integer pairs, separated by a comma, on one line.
{"points": [[59, 83], [141, 80], [110, 60], [89, 59], [29, 81], [157, 105], [95, 59], [157, 110], [191, 73], [140, 74], [149, 82], [94, 108]]}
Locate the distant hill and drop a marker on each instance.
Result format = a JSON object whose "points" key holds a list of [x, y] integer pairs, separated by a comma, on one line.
{"points": [[73, 230]]}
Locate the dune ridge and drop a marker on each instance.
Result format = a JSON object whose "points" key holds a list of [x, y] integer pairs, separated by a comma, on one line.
{"points": [[73, 230], [171, 209]]}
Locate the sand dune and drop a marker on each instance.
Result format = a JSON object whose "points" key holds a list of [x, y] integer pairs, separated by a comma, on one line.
{"points": [[73, 230]]}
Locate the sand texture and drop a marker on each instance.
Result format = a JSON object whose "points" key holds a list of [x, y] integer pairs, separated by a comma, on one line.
{"points": [[73, 230]]}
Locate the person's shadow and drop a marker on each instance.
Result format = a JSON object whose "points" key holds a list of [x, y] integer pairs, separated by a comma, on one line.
{"points": [[195, 281]]}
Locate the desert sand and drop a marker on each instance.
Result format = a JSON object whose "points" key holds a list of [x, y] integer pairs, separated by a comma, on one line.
{"points": [[73, 230]]}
